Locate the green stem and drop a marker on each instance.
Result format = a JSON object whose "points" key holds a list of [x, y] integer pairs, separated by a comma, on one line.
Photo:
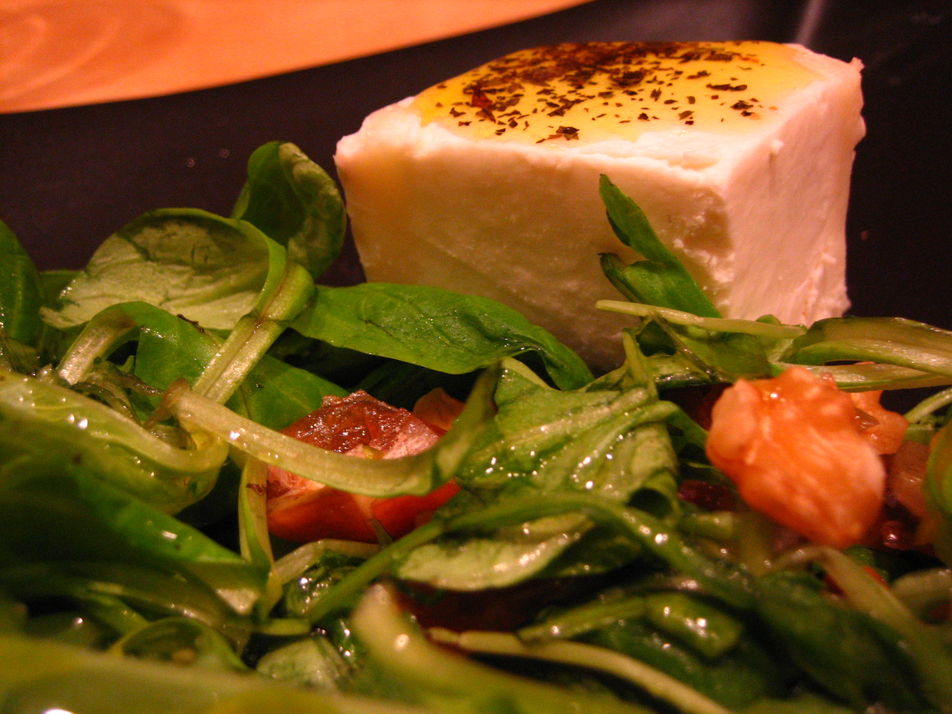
{"points": [[929, 405], [254, 334], [101, 335], [653, 681], [584, 618], [435, 675], [715, 324], [417, 474]]}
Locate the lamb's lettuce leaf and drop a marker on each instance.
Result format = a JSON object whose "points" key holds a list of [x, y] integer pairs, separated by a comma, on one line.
{"points": [[102, 540], [439, 329], [169, 347], [20, 291], [40, 419], [50, 675], [294, 202], [189, 262]]}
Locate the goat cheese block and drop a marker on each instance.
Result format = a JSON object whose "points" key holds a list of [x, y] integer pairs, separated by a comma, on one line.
{"points": [[738, 152]]}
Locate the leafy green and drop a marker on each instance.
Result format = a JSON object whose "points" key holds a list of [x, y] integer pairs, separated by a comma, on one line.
{"points": [[434, 328], [169, 347], [939, 472], [582, 655], [735, 679], [927, 652], [844, 651], [173, 639], [706, 629], [800, 703], [189, 262], [293, 201], [889, 340], [416, 474], [51, 676], [162, 370], [116, 545], [719, 579], [274, 393], [686, 349], [20, 291], [311, 661], [542, 440], [252, 336], [660, 279], [440, 680], [91, 438]]}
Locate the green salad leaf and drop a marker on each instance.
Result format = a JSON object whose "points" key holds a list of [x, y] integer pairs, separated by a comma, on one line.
{"points": [[189, 262], [116, 545], [660, 278], [591, 557], [92, 438], [434, 328], [21, 293], [293, 201]]}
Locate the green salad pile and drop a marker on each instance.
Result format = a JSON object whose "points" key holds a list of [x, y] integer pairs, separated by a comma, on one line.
{"points": [[140, 403]]}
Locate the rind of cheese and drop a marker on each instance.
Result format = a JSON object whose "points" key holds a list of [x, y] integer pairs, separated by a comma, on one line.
{"points": [[754, 205]]}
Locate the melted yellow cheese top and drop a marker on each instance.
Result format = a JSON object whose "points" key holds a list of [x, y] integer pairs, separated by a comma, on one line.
{"points": [[617, 90]]}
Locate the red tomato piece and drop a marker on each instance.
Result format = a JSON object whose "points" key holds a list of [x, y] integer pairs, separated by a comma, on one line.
{"points": [[302, 510]]}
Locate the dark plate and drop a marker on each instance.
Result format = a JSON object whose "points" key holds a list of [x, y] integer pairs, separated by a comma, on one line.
{"points": [[72, 176]]}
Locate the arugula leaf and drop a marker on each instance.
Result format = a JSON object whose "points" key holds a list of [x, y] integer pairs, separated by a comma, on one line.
{"points": [[660, 279], [548, 440], [600, 442], [294, 202], [434, 328], [724, 356]]}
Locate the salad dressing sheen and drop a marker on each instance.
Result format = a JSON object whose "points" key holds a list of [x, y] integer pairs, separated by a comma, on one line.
{"points": [[611, 90]]}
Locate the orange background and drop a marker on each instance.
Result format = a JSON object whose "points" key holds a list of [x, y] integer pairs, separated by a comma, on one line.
{"points": [[56, 53]]}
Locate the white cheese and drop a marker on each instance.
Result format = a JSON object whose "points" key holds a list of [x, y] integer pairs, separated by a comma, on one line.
{"points": [[739, 153]]}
